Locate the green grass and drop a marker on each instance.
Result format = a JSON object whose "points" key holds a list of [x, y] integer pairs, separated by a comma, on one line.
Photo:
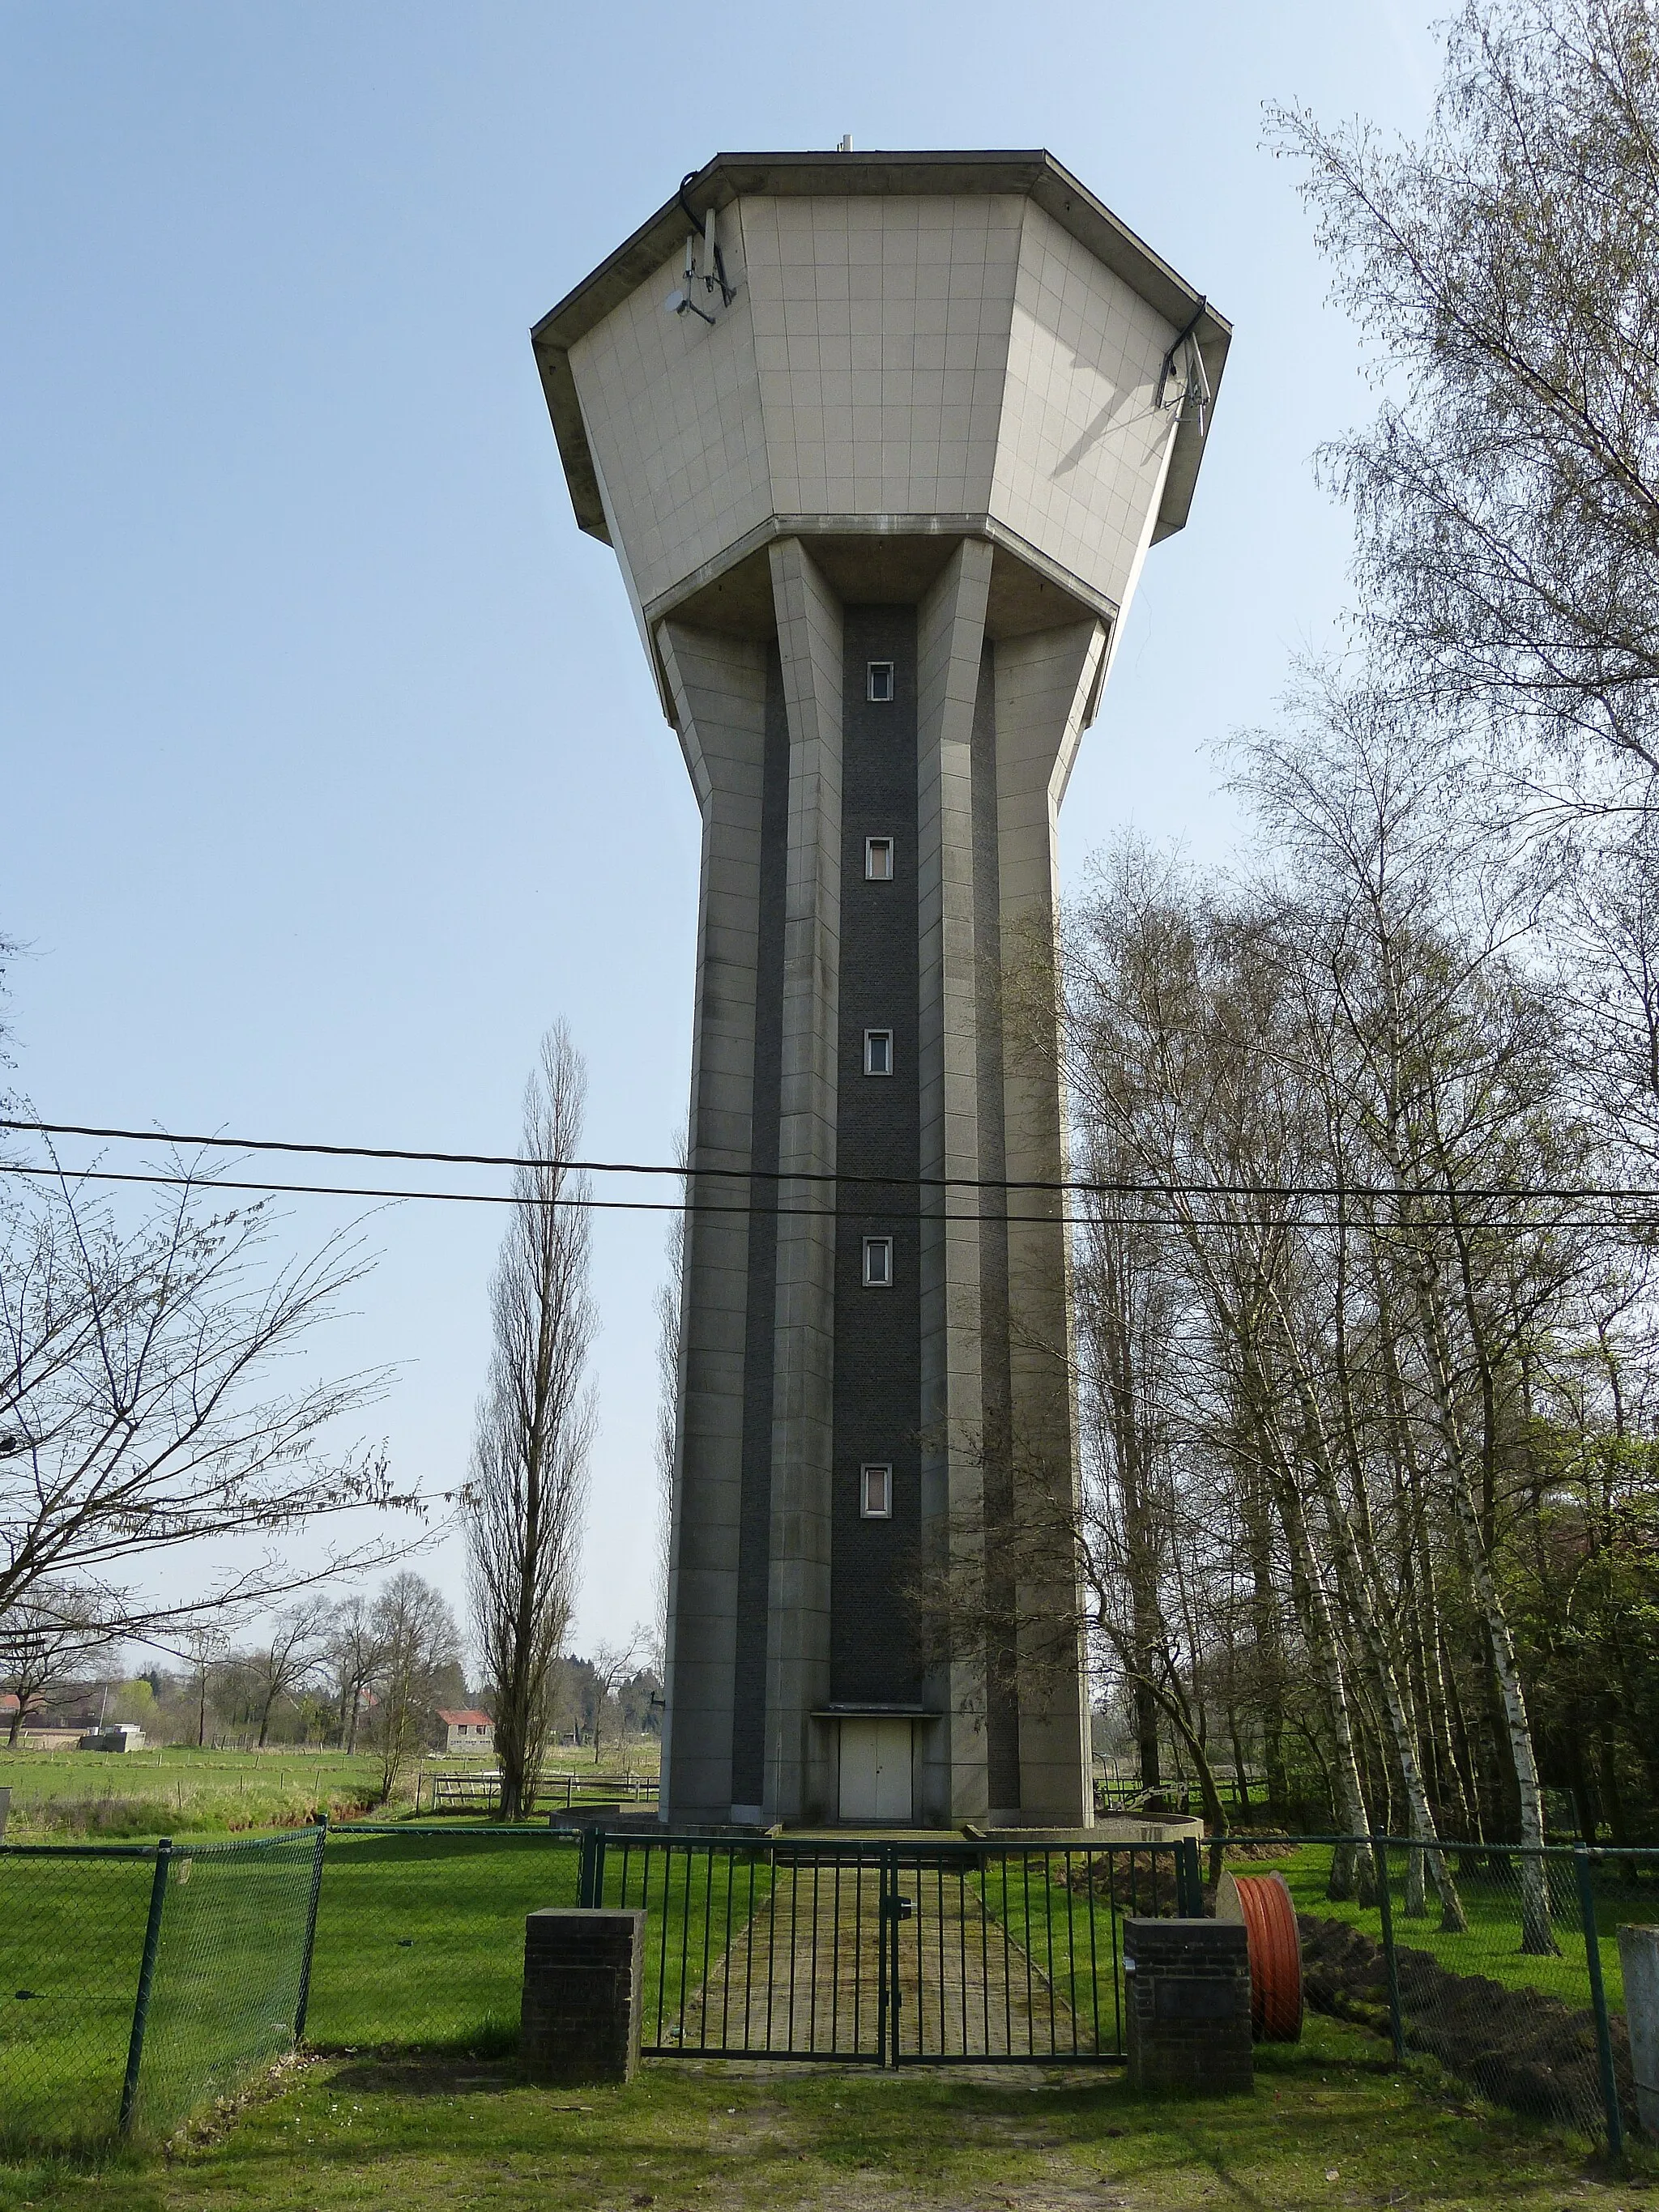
{"points": [[1328, 2127], [419, 1937], [62, 1796], [1492, 1945]]}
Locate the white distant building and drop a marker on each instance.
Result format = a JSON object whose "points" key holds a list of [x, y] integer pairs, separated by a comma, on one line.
{"points": [[115, 1735], [881, 441], [470, 1732]]}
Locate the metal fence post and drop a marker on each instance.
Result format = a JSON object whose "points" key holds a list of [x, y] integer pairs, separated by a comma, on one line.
{"points": [[590, 1872], [158, 1891], [1390, 1958], [317, 1851], [1599, 2000], [1189, 1880]]}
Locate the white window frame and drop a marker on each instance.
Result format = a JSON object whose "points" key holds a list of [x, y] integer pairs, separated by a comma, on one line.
{"points": [[884, 1511], [870, 1036], [890, 850], [884, 1246], [874, 670]]}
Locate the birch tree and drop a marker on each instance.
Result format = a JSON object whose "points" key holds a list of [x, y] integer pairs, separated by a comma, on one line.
{"points": [[1505, 269]]}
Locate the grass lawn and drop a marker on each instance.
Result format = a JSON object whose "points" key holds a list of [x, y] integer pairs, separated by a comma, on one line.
{"points": [[1492, 1945], [71, 1935], [419, 1937], [1328, 2127], [59, 1797]]}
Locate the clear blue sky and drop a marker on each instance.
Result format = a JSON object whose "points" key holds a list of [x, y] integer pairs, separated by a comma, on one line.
{"points": [[330, 770]]}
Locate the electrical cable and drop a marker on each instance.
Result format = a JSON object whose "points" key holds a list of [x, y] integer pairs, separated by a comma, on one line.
{"points": [[1554, 1194], [701, 1207]]}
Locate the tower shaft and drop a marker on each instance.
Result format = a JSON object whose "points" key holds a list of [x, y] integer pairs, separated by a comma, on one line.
{"points": [[880, 503]]}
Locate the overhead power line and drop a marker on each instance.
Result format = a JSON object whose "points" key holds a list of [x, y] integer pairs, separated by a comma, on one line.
{"points": [[1552, 1193], [579, 1205], [783, 1211]]}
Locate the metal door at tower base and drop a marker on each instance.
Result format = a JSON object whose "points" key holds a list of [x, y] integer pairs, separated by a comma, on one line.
{"points": [[885, 1953], [875, 1760]]}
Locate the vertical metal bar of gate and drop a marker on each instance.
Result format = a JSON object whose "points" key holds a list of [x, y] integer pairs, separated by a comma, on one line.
{"points": [[886, 2032]]}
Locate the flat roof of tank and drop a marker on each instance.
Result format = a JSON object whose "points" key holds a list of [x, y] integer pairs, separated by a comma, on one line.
{"points": [[1036, 175]]}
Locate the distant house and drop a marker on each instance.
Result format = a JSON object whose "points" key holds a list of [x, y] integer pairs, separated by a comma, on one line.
{"points": [[54, 1722], [469, 1731]]}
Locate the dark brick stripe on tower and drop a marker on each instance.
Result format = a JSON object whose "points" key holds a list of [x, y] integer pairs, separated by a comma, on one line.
{"points": [[877, 1390]]}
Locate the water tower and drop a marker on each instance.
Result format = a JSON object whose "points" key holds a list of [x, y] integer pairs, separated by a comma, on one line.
{"points": [[880, 441]]}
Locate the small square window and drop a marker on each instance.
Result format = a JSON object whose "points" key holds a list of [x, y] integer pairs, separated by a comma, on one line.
{"points": [[878, 1051], [881, 681], [878, 859], [876, 1493], [878, 1263]]}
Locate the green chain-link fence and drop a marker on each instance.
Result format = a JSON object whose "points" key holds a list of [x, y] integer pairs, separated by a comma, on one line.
{"points": [[138, 1982], [1501, 1963]]}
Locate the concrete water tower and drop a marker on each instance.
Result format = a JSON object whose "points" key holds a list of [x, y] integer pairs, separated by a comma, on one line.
{"points": [[880, 441]]}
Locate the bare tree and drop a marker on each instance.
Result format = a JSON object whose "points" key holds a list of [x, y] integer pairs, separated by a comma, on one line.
{"points": [[613, 1664], [352, 1656], [418, 1640], [524, 1500], [44, 1639], [136, 1414], [286, 1658], [207, 1645]]}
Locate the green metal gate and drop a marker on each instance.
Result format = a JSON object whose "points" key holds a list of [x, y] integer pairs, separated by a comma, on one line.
{"points": [[887, 1953]]}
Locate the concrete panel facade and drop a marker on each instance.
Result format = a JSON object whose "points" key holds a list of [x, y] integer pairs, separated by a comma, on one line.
{"points": [[880, 505]]}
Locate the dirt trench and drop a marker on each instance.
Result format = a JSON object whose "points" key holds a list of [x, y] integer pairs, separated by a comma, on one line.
{"points": [[1518, 2048]]}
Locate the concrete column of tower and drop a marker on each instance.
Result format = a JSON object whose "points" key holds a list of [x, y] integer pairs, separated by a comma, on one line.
{"points": [[809, 620], [950, 645], [718, 687], [1042, 687], [879, 504]]}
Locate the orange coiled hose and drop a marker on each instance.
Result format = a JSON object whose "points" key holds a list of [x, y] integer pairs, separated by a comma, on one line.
{"points": [[1269, 1919]]}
